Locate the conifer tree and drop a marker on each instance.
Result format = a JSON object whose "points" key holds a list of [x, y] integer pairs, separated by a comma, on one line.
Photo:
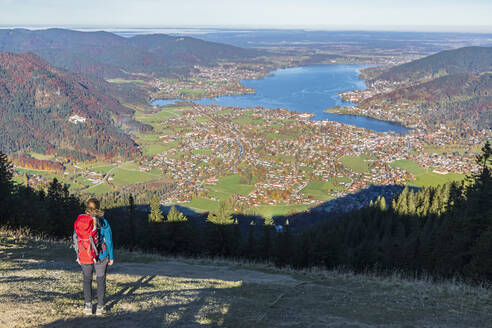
{"points": [[251, 243], [284, 247], [485, 158], [131, 205], [6, 174], [219, 230], [236, 242], [382, 204], [402, 202], [6, 185], [266, 238], [175, 216], [155, 210], [132, 229], [222, 216]]}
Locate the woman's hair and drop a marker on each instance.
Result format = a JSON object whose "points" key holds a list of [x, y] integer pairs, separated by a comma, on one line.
{"points": [[93, 209]]}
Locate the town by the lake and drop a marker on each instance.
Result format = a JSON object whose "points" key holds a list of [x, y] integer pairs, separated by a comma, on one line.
{"points": [[273, 153]]}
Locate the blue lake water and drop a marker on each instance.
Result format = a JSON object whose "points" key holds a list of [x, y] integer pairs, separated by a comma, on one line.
{"points": [[310, 89]]}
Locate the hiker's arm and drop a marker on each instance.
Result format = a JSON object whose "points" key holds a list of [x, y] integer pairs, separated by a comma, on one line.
{"points": [[75, 246]]}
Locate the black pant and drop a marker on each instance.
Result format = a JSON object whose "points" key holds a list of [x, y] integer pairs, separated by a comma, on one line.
{"points": [[87, 270]]}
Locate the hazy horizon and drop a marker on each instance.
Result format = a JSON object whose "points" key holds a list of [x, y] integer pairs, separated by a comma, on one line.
{"points": [[196, 29], [379, 15]]}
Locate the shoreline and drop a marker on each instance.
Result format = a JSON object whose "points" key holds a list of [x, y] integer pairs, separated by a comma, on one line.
{"points": [[340, 111], [313, 115]]}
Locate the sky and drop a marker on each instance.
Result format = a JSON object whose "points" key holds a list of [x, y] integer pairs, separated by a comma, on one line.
{"points": [[431, 15]]}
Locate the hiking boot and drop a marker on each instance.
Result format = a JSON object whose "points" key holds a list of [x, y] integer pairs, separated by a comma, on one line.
{"points": [[88, 309], [100, 310]]}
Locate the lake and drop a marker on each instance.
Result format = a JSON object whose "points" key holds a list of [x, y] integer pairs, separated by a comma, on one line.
{"points": [[310, 89]]}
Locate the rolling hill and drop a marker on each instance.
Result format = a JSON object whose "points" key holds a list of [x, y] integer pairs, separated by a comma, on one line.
{"points": [[463, 97], [37, 107], [452, 86], [473, 60], [108, 55]]}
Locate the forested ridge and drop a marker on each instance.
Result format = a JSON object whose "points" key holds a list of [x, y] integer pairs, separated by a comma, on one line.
{"points": [[443, 231], [452, 87], [37, 101], [108, 55], [472, 60], [464, 99]]}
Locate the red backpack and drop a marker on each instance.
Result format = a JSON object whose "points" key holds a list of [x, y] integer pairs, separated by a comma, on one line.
{"points": [[86, 239]]}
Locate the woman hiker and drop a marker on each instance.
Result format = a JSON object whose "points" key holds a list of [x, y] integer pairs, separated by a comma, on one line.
{"points": [[93, 244]]}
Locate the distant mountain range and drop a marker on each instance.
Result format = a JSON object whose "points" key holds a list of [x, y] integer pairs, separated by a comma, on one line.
{"points": [[108, 55], [455, 84], [48, 110]]}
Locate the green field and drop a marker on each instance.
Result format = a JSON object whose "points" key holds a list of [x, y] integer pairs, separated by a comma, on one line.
{"points": [[228, 186], [290, 135], [201, 204], [425, 177], [202, 152], [88, 165], [157, 148], [357, 163], [102, 169], [129, 166], [122, 177], [321, 190], [243, 120], [150, 143], [158, 117], [98, 190]]}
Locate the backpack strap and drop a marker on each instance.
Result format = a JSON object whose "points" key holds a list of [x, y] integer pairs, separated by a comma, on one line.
{"points": [[93, 245]]}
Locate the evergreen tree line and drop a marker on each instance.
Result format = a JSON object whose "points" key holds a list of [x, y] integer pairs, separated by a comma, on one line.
{"points": [[445, 231], [41, 211]]}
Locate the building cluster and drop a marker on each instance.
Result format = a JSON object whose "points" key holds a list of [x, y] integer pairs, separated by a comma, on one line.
{"points": [[224, 80], [285, 151]]}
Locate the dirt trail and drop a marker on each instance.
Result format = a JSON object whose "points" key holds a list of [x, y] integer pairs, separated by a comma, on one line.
{"points": [[185, 270]]}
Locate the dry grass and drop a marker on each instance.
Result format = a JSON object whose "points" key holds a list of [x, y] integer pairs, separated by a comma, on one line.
{"points": [[40, 286]]}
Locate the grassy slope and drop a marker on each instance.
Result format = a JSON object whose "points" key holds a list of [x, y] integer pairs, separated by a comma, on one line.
{"points": [[425, 177], [321, 189], [356, 163], [229, 185], [152, 291]]}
